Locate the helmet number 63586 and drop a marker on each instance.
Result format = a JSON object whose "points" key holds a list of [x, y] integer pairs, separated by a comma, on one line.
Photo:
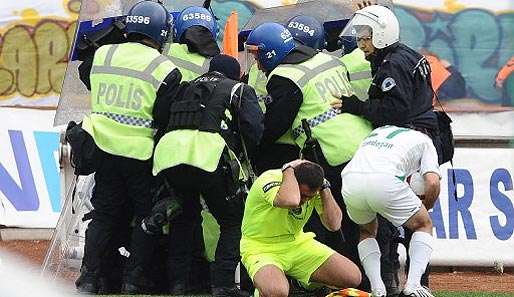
{"points": [[196, 16]]}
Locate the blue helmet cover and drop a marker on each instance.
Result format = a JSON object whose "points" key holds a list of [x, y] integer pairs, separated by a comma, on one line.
{"points": [[308, 31], [150, 19], [194, 16], [274, 42]]}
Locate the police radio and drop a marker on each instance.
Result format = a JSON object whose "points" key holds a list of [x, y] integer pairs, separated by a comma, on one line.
{"points": [[309, 150]]}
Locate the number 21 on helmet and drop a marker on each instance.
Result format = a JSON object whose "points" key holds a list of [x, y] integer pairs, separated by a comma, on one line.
{"points": [[269, 43]]}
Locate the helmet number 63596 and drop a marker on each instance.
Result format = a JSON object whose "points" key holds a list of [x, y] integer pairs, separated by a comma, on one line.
{"points": [[138, 19]]}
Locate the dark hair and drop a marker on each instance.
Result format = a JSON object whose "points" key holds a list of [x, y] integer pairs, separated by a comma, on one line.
{"points": [[226, 65], [309, 174]]}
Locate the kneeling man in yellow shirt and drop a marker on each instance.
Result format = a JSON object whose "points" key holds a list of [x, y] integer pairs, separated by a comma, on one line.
{"points": [[273, 243]]}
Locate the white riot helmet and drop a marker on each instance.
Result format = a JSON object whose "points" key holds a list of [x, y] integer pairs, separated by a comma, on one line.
{"points": [[378, 19]]}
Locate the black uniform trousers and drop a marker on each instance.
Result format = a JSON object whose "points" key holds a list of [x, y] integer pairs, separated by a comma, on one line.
{"points": [[121, 195], [191, 182]]}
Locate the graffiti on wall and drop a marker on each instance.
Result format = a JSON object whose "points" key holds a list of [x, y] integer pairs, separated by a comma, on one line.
{"points": [[33, 54], [477, 42]]}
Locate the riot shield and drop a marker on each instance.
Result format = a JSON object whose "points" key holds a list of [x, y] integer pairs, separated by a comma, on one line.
{"points": [[64, 256], [74, 99], [325, 11], [176, 6], [333, 14]]}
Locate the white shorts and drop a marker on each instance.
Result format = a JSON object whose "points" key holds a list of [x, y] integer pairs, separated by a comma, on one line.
{"points": [[366, 194]]}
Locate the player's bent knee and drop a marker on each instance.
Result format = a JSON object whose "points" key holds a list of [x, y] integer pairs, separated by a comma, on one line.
{"points": [[349, 276], [420, 221], [424, 223], [353, 277]]}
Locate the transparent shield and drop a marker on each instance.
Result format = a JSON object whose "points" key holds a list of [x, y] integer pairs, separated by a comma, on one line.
{"points": [[174, 5], [74, 99], [330, 12], [325, 11], [334, 14], [64, 256]]}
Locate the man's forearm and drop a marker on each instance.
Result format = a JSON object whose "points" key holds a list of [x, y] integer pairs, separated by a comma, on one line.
{"points": [[430, 197], [332, 214], [288, 195], [432, 189]]}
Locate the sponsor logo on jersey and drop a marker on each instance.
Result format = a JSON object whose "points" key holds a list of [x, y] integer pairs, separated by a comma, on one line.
{"points": [[271, 185]]}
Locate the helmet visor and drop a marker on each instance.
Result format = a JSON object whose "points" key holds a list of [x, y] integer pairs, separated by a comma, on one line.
{"points": [[251, 53], [169, 34], [355, 30]]}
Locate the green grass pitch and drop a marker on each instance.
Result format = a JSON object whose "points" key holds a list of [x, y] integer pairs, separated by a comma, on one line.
{"points": [[436, 294]]}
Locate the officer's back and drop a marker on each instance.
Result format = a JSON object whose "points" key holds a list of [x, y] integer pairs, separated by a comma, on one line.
{"points": [[199, 154], [216, 92], [127, 81]]}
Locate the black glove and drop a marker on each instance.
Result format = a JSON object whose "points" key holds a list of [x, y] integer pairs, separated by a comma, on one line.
{"points": [[352, 105], [163, 212]]}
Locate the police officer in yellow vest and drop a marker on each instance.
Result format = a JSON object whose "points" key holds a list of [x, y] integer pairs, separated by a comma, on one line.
{"points": [[200, 154], [302, 83], [131, 86], [307, 31], [358, 68], [194, 42], [257, 80], [194, 36]]}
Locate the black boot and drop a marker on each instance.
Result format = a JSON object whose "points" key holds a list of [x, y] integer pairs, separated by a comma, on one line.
{"points": [[87, 283], [132, 289], [392, 283], [109, 286], [178, 289], [298, 290], [135, 282], [229, 292]]}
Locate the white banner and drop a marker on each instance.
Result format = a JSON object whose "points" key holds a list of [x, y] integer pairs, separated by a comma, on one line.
{"points": [[483, 124], [29, 171], [477, 228]]}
